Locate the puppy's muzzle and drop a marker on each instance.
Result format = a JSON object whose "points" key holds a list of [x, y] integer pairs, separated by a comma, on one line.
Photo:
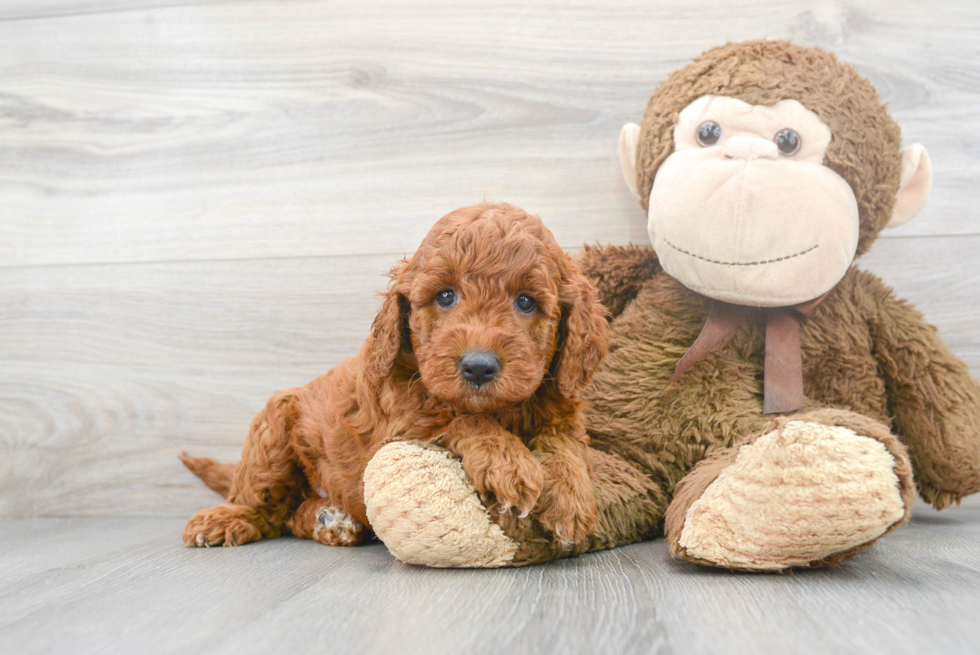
{"points": [[479, 367]]}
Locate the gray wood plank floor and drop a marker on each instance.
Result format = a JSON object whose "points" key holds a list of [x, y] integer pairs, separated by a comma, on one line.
{"points": [[124, 585]]}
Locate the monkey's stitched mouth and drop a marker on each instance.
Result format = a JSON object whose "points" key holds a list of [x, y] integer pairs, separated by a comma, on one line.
{"points": [[758, 263]]}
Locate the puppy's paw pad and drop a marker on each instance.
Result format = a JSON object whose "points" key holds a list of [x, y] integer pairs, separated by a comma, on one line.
{"points": [[335, 527]]}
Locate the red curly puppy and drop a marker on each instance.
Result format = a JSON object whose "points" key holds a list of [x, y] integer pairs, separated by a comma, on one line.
{"points": [[483, 343]]}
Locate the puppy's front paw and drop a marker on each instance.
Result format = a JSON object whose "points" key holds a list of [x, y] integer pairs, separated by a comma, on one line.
{"points": [[513, 475], [228, 524], [569, 510]]}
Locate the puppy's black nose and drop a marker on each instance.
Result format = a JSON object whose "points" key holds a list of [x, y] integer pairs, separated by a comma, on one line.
{"points": [[479, 367]]}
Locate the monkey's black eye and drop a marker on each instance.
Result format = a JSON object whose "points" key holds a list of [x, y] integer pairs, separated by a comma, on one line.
{"points": [[708, 133], [446, 298], [788, 141], [525, 303]]}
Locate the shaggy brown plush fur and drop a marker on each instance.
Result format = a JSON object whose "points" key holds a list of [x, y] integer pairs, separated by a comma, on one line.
{"points": [[865, 352], [521, 436], [867, 355]]}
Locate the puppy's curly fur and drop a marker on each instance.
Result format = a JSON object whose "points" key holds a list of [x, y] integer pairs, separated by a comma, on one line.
{"points": [[521, 436]]}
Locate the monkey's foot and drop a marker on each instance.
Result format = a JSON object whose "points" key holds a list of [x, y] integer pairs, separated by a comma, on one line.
{"points": [[426, 511], [810, 491]]}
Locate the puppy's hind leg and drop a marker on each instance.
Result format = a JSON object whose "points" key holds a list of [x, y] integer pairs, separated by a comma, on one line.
{"points": [[266, 483], [321, 520]]}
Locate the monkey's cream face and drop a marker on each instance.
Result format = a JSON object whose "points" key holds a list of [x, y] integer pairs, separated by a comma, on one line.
{"points": [[744, 210]]}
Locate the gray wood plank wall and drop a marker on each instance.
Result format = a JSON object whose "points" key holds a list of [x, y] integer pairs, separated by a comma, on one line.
{"points": [[199, 200]]}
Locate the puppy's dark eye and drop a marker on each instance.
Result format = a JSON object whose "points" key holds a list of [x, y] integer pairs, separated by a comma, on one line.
{"points": [[708, 133], [525, 303], [446, 298]]}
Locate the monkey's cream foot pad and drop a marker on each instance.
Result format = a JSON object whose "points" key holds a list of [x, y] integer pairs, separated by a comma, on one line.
{"points": [[801, 494], [424, 508]]}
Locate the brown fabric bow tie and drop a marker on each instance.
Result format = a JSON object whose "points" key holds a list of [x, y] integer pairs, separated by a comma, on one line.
{"points": [[784, 362]]}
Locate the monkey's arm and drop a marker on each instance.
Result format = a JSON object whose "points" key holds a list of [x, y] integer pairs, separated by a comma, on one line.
{"points": [[935, 401], [618, 272]]}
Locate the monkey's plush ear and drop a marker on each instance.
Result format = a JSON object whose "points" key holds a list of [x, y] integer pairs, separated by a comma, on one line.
{"points": [[915, 184], [629, 139]]}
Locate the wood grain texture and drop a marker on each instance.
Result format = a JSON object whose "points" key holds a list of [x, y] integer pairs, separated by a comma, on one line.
{"points": [[111, 586], [198, 200]]}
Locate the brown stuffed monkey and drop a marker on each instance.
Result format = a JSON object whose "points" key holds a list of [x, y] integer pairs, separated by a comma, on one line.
{"points": [[765, 403]]}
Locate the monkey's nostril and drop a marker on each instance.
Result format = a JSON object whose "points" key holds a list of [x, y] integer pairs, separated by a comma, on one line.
{"points": [[479, 367]]}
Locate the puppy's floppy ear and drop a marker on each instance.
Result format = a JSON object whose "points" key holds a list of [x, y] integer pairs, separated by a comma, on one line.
{"points": [[389, 331], [584, 333]]}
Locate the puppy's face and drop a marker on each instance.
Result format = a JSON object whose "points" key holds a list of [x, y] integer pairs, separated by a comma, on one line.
{"points": [[485, 314]]}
